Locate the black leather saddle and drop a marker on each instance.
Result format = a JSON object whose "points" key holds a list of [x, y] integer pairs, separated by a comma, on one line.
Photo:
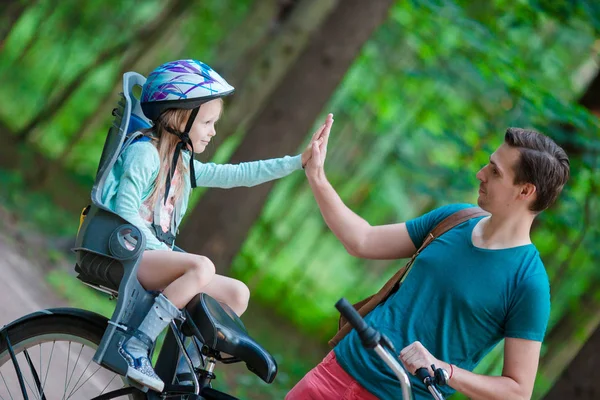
{"points": [[219, 328]]}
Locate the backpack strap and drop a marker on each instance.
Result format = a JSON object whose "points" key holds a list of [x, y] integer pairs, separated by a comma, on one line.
{"points": [[367, 305]]}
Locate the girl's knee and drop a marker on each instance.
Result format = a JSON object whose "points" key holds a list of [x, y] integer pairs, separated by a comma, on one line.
{"points": [[240, 297], [203, 269]]}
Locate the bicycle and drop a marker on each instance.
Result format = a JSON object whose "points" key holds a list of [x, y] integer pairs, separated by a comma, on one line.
{"points": [[373, 339], [108, 251]]}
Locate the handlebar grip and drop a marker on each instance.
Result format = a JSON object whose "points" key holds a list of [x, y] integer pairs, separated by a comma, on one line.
{"points": [[369, 336], [423, 375]]}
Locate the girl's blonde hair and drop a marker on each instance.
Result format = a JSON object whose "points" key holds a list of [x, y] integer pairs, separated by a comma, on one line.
{"points": [[165, 143]]}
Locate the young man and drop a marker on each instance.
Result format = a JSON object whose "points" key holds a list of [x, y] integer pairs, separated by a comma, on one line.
{"points": [[479, 283]]}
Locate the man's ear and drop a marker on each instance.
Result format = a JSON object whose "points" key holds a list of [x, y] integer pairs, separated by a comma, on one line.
{"points": [[528, 191]]}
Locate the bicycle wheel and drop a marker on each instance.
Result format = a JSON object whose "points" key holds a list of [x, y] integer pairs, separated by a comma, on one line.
{"points": [[54, 353]]}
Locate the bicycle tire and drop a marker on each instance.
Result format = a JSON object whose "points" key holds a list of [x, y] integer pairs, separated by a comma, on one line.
{"points": [[50, 329]]}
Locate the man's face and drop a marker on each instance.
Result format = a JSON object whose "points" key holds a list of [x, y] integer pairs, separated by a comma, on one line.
{"points": [[497, 191]]}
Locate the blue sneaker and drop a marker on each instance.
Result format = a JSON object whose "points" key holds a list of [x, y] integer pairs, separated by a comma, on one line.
{"points": [[139, 366]]}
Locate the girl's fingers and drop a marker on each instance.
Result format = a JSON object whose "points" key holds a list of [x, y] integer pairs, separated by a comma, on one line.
{"points": [[326, 132]]}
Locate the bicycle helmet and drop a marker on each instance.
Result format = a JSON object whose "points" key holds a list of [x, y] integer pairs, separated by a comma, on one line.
{"points": [[183, 84]]}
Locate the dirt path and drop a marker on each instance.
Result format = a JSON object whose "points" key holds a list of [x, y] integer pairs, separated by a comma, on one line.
{"points": [[22, 285]]}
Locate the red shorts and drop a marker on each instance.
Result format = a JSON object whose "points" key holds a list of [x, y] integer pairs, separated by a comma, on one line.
{"points": [[328, 381]]}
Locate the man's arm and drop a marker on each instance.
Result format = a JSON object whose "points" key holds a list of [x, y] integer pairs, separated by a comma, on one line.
{"points": [[521, 357], [358, 237]]}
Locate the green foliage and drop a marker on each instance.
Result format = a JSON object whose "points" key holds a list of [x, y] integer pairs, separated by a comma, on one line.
{"points": [[417, 115], [34, 209]]}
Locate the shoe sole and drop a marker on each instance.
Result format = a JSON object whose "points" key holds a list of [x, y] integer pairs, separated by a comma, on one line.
{"points": [[143, 379]]}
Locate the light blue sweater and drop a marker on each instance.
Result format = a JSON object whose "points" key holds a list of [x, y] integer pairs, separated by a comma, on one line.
{"points": [[131, 181]]}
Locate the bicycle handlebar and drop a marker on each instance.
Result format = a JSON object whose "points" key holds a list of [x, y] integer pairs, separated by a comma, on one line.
{"points": [[369, 336], [372, 339]]}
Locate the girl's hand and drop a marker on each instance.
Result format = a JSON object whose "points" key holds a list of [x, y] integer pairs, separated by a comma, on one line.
{"points": [[315, 165], [317, 137]]}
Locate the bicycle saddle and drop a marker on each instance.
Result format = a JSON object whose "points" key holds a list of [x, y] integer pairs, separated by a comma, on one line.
{"points": [[222, 330]]}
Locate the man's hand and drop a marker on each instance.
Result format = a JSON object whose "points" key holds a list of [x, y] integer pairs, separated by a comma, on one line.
{"points": [[316, 137], [415, 356], [315, 162]]}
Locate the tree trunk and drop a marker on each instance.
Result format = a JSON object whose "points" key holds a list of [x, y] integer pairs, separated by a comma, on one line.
{"points": [[220, 222], [580, 380], [568, 345], [257, 67]]}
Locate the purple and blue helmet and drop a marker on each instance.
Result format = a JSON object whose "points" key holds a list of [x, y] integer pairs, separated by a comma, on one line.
{"points": [[181, 84]]}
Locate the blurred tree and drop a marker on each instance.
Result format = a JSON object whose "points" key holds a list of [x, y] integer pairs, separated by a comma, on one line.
{"points": [[141, 38], [219, 224], [579, 380], [9, 16], [569, 334], [129, 53]]}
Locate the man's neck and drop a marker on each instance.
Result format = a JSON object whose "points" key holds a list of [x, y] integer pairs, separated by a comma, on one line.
{"points": [[502, 232]]}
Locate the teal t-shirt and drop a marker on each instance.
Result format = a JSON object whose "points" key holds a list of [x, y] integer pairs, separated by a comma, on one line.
{"points": [[458, 300]]}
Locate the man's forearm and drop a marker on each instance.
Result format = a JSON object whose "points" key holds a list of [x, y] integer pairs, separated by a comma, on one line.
{"points": [[483, 387], [343, 222]]}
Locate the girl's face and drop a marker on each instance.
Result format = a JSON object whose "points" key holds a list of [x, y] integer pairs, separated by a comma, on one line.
{"points": [[203, 128]]}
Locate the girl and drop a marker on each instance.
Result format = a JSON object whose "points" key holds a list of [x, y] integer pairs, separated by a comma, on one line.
{"points": [[150, 185]]}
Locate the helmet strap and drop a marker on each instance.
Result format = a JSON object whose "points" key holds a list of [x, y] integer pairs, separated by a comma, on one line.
{"points": [[184, 139]]}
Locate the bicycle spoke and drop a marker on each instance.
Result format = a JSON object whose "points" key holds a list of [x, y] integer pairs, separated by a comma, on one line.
{"points": [[48, 369], [109, 382], [83, 383], [75, 366], [81, 376], [67, 370], [6, 384], [30, 388]]}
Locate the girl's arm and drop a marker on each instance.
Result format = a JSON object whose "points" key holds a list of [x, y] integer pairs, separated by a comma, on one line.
{"points": [[253, 173], [139, 171], [245, 174]]}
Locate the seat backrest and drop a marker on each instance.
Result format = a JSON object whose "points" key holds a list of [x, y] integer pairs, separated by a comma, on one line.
{"points": [[129, 118], [104, 261]]}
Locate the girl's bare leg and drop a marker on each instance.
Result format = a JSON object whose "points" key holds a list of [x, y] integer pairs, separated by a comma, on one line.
{"points": [[180, 276], [230, 291]]}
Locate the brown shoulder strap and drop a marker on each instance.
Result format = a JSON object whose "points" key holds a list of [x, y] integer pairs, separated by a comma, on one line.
{"points": [[367, 305], [447, 223], [451, 221]]}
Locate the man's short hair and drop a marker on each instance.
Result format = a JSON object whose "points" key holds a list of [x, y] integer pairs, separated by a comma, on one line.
{"points": [[542, 163]]}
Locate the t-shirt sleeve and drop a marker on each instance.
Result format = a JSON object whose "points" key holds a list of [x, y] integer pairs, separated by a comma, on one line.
{"points": [[245, 174], [419, 227], [529, 309]]}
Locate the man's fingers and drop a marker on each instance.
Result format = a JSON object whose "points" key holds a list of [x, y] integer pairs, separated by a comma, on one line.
{"points": [[318, 132], [315, 150]]}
